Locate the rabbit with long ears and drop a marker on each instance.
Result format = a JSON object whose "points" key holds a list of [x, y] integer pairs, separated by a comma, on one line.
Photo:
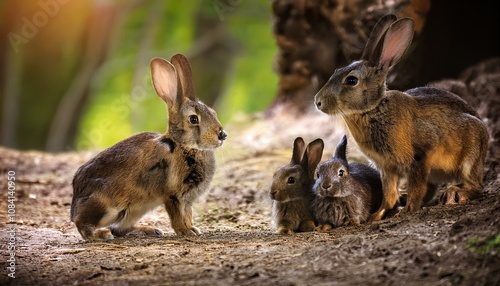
{"points": [[291, 188], [345, 193], [431, 136], [113, 190]]}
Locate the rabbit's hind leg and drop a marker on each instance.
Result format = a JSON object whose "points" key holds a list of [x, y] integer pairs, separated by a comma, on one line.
{"points": [[90, 233], [471, 174], [460, 194], [91, 213]]}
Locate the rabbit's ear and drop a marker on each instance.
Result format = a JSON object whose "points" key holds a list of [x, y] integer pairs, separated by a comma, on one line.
{"points": [[298, 150], [396, 41], [376, 35], [340, 150], [185, 76], [312, 156], [164, 80]]}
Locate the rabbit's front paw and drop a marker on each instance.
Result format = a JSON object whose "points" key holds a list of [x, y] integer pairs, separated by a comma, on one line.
{"points": [[323, 227], [188, 231], [352, 222], [196, 230], [285, 230], [307, 225], [103, 234], [379, 215]]}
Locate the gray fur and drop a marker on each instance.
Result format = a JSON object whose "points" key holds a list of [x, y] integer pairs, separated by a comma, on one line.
{"points": [[347, 199]]}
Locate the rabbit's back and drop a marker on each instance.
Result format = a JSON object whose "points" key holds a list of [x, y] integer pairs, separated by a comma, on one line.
{"points": [[147, 168], [370, 185], [425, 122], [433, 97], [138, 156]]}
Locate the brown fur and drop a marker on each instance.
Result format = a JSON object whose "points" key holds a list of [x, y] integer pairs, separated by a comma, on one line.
{"points": [[291, 188], [428, 135], [113, 190]]}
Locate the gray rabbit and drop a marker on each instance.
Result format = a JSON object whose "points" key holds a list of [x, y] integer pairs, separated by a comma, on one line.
{"points": [[113, 190], [345, 193], [291, 188]]}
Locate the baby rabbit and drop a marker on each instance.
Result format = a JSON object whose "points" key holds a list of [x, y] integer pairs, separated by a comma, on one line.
{"points": [[345, 193], [291, 188], [113, 190], [429, 135]]}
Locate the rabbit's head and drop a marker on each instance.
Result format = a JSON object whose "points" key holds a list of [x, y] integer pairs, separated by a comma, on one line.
{"points": [[332, 176], [294, 180], [191, 123], [360, 86]]}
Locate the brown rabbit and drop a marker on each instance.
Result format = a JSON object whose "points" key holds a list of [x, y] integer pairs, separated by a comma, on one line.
{"points": [[113, 190], [291, 188], [430, 135], [345, 193]]}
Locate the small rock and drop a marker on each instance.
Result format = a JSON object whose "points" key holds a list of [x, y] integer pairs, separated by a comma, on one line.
{"points": [[460, 225], [374, 227]]}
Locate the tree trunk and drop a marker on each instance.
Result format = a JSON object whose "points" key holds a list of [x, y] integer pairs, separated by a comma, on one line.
{"points": [[40, 55], [63, 127], [212, 54]]}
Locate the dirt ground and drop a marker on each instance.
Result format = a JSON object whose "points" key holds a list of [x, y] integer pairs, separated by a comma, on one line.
{"points": [[438, 245]]}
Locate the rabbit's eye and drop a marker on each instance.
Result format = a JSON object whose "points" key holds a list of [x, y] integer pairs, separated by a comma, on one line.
{"points": [[291, 180], [351, 80], [341, 173], [317, 175], [193, 119]]}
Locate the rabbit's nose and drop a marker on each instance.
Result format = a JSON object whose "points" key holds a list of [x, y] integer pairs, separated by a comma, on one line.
{"points": [[326, 186], [222, 135]]}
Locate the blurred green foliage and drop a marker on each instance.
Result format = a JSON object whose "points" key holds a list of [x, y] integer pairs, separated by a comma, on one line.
{"points": [[484, 246], [123, 101]]}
